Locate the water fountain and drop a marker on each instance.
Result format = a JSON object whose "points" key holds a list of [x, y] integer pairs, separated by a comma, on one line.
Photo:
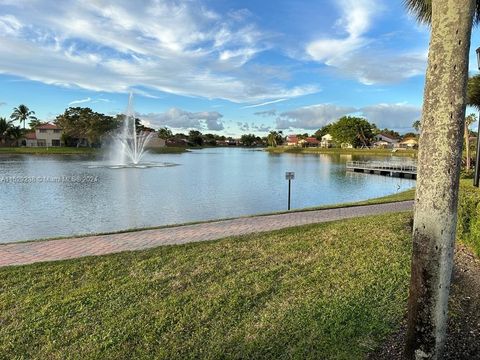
{"points": [[128, 145]]}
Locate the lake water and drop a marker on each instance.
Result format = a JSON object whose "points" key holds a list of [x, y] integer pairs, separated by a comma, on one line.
{"points": [[70, 195]]}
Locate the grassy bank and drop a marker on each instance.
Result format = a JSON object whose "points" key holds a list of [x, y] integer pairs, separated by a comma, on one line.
{"points": [[50, 150], [338, 151], [320, 291], [74, 150]]}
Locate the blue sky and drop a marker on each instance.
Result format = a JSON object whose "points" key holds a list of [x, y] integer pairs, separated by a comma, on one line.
{"points": [[217, 65]]}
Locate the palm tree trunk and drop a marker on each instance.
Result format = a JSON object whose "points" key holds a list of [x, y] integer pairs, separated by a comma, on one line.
{"points": [[439, 160]]}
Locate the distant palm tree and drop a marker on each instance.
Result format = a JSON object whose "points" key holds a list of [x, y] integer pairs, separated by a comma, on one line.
{"points": [[14, 133], [439, 160], [22, 113], [469, 120], [4, 126]]}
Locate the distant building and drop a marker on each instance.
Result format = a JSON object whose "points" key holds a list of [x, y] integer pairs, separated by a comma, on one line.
{"points": [[46, 135], [384, 141], [327, 141], [292, 140], [310, 142], [408, 143]]}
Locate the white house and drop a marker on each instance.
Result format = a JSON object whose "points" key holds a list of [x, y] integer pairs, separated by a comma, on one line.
{"points": [[48, 135], [385, 141], [327, 141]]}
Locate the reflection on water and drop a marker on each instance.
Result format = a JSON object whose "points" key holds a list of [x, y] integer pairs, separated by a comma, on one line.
{"points": [[205, 184]]}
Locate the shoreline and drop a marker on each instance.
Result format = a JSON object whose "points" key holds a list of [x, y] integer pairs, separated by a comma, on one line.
{"points": [[388, 199]]}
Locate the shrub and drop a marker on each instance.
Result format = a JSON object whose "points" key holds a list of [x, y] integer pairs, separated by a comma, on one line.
{"points": [[468, 226]]}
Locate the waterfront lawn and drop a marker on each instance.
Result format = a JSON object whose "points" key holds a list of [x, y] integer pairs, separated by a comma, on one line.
{"points": [[60, 150], [334, 151], [325, 291]]}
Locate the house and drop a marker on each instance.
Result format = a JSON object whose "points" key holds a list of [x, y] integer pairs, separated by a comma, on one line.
{"points": [[408, 143], [310, 142], [384, 141], [48, 135], [30, 139], [327, 141], [292, 140]]}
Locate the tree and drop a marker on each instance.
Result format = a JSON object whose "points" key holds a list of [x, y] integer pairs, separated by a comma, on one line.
{"points": [[80, 124], [389, 132], [22, 113], [14, 133], [469, 120], [34, 123], [275, 138], [165, 133], [439, 159], [4, 128], [195, 138], [322, 132], [352, 130], [248, 139], [417, 125]]}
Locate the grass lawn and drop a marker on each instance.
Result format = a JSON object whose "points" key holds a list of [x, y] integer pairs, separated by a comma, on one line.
{"points": [[333, 151], [326, 291], [62, 150]]}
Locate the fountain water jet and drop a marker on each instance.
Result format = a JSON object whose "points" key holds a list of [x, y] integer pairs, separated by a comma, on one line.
{"points": [[129, 146]]}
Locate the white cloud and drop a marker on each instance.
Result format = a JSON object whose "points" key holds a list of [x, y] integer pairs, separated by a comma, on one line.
{"points": [[114, 46], [312, 117], [80, 101], [393, 116], [181, 119], [356, 55], [398, 116]]}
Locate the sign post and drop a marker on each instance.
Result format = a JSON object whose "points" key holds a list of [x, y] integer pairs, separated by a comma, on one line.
{"points": [[289, 175]]}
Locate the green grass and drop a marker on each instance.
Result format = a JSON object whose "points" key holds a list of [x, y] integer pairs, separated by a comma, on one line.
{"points": [[334, 151], [325, 291], [50, 150]]}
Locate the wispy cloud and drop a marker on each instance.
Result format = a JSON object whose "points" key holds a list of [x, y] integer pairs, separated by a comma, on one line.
{"points": [[264, 103], [348, 53], [182, 48], [80, 101]]}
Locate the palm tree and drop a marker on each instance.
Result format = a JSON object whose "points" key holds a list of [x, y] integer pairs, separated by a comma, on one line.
{"points": [[469, 120], [4, 126], [22, 113], [439, 160]]}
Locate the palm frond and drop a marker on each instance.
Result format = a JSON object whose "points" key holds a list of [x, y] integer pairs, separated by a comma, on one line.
{"points": [[422, 10]]}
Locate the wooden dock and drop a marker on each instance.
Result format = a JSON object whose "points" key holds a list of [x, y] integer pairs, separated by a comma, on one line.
{"points": [[394, 169]]}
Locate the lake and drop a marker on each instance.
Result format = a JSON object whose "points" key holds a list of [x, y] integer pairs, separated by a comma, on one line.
{"points": [[49, 196]]}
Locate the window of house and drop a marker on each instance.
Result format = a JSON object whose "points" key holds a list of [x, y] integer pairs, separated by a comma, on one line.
{"points": [[43, 130], [57, 130]]}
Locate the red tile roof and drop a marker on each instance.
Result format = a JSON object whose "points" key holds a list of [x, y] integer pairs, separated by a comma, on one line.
{"points": [[312, 140], [48, 126]]}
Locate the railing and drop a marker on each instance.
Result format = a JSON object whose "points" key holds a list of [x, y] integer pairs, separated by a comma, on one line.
{"points": [[382, 166]]}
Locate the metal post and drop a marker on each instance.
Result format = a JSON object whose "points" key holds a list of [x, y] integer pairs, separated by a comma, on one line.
{"points": [[289, 191], [477, 159]]}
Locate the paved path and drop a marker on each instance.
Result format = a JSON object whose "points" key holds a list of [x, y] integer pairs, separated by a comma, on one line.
{"points": [[51, 250]]}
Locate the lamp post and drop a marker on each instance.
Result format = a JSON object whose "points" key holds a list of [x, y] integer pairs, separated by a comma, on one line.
{"points": [[477, 155]]}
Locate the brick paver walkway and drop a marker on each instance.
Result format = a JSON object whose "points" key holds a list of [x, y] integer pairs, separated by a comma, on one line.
{"points": [[51, 250]]}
